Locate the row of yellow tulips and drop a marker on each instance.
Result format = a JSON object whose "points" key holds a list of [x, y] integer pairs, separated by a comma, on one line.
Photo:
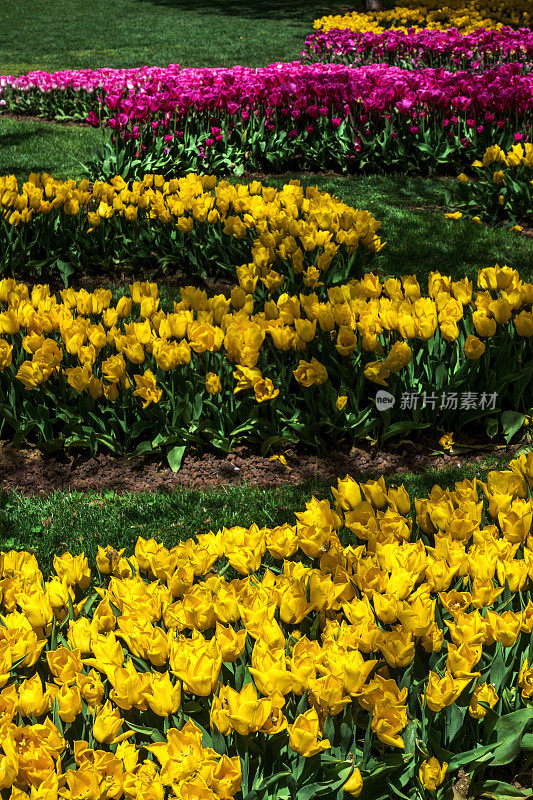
{"points": [[276, 237], [465, 15], [343, 638], [229, 367]]}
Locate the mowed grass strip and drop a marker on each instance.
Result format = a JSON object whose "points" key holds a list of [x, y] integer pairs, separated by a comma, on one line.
{"points": [[79, 522]]}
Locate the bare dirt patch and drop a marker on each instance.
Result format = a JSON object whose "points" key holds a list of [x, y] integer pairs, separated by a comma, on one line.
{"points": [[31, 472]]}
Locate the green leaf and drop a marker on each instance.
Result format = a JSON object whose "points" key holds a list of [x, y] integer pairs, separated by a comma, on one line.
{"points": [[454, 721], [219, 741], [265, 783], [17, 664], [154, 734], [498, 790], [192, 707], [512, 421], [175, 457], [471, 757], [347, 731], [65, 270], [491, 427], [53, 636], [409, 737], [56, 719], [497, 669], [325, 788], [367, 744], [403, 427], [509, 731]]}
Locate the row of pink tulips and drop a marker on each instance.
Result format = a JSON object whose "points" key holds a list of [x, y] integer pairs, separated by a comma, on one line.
{"points": [[417, 48]]}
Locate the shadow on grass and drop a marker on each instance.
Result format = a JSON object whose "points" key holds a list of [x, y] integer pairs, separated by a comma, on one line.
{"points": [[29, 146], [258, 9], [19, 137]]}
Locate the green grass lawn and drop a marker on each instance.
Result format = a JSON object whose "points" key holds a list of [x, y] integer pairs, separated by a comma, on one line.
{"points": [[80, 522], [76, 34], [43, 147]]}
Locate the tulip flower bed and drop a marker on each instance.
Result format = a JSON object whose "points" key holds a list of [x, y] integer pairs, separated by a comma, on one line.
{"points": [[73, 94], [296, 116], [285, 237], [368, 649], [465, 15], [484, 49], [501, 187], [216, 371]]}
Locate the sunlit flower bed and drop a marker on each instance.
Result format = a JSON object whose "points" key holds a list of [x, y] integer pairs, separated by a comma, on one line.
{"points": [[264, 366], [465, 15], [499, 187], [291, 116], [372, 642], [478, 51], [284, 238]]}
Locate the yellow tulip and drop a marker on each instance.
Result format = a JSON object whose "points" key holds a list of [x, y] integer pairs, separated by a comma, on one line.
{"points": [[431, 773], [473, 348], [6, 351], [198, 667], [525, 680], [69, 702], [483, 693], [107, 723], [340, 402], [304, 735], [442, 692], [129, 687], [31, 697], [354, 784], [245, 712], [311, 373], [92, 689], [398, 357], [74, 568], [230, 642], [226, 777], [213, 384], [162, 697], [64, 664]]}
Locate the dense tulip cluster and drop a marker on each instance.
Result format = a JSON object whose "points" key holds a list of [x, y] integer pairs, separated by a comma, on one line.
{"points": [[296, 115], [501, 186], [287, 237], [412, 49], [75, 93], [465, 15], [256, 364], [361, 641], [318, 116]]}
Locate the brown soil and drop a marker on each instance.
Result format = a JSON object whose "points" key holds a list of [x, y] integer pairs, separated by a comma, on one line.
{"points": [[122, 276], [31, 472]]}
